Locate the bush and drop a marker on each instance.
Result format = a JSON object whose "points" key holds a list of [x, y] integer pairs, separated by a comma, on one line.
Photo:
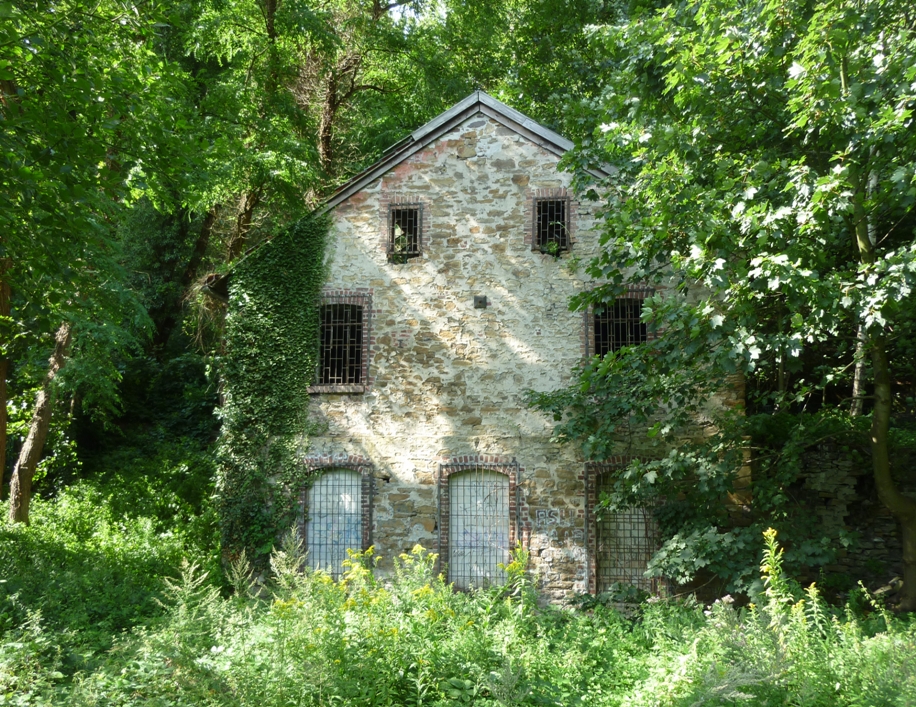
{"points": [[302, 638], [787, 649], [88, 568]]}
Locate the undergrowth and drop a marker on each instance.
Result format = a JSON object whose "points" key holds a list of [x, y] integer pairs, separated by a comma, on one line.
{"points": [[90, 567], [301, 638]]}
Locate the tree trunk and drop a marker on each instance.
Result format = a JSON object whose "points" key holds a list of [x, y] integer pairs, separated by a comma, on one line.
{"points": [[858, 378], [902, 507], [30, 455], [4, 368], [247, 204], [326, 126], [167, 324]]}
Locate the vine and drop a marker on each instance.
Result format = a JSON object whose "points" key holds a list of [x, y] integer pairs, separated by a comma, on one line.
{"points": [[271, 338]]}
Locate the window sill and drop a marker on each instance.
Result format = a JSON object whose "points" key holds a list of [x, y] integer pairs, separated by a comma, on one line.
{"points": [[403, 258], [344, 389]]}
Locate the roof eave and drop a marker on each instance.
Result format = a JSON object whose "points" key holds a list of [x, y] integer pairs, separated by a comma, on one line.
{"points": [[477, 102]]}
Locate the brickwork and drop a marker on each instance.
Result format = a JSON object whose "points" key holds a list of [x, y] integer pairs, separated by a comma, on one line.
{"points": [[447, 380], [353, 462]]}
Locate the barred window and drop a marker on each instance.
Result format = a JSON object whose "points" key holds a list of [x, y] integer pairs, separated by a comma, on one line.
{"points": [[626, 541], [551, 225], [617, 325], [341, 353], [404, 232], [478, 527], [334, 521]]}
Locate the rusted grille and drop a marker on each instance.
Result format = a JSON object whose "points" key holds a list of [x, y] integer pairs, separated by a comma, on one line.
{"points": [[626, 541], [617, 325], [341, 353], [550, 225], [334, 520], [404, 233], [478, 527]]}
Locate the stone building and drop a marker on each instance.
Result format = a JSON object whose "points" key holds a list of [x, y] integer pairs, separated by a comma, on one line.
{"points": [[452, 261]]}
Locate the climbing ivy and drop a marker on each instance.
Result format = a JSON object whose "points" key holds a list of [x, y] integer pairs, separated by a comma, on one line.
{"points": [[271, 348]]}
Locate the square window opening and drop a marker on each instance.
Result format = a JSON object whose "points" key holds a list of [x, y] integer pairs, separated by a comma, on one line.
{"points": [[551, 225], [404, 228], [617, 325], [341, 352]]}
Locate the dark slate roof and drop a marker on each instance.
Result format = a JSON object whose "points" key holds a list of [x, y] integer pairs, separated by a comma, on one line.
{"points": [[477, 102]]}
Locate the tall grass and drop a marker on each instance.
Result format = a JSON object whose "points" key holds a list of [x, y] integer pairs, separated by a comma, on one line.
{"points": [[301, 638]]}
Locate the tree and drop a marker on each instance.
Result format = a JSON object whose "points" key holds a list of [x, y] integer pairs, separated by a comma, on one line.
{"points": [[71, 74], [766, 156]]}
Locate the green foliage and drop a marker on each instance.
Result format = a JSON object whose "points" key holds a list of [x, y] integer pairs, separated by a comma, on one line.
{"points": [[89, 565], [302, 638], [753, 142], [271, 349], [305, 639]]}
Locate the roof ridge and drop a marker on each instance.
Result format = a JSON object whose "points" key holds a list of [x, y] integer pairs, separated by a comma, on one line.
{"points": [[480, 100]]}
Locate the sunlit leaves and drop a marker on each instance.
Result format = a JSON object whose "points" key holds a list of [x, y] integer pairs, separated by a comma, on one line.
{"points": [[753, 141]]}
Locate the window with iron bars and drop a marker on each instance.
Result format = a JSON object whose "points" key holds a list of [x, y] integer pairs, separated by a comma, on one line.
{"points": [[625, 543], [404, 232], [617, 325], [340, 360], [334, 519], [479, 527], [551, 225]]}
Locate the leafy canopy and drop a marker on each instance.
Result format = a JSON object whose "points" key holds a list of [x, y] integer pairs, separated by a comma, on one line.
{"points": [[754, 143]]}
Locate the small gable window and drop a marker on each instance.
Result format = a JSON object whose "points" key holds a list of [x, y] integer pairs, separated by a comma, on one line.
{"points": [[617, 325], [551, 225], [405, 223]]}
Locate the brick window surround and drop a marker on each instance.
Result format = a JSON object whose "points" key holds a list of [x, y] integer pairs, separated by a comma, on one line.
{"points": [[361, 297], [485, 462], [389, 202], [634, 292], [532, 198], [318, 464], [593, 473]]}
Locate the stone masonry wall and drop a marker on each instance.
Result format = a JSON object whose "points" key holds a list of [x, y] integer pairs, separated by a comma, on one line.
{"points": [[446, 379], [838, 487]]}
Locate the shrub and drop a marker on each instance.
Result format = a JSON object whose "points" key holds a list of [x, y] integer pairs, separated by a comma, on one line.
{"points": [[302, 638], [89, 572]]}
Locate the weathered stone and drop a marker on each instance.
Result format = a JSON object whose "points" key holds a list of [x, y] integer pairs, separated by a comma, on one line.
{"points": [[446, 379]]}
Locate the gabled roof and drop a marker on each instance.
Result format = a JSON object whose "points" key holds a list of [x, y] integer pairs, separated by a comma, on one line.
{"points": [[477, 102]]}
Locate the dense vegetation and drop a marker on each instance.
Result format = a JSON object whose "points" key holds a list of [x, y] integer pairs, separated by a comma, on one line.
{"points": [[300, 638], [766, 151], [766, 189]]}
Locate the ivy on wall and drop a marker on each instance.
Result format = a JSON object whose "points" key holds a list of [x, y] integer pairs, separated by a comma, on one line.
{"points": [[271, 348]]}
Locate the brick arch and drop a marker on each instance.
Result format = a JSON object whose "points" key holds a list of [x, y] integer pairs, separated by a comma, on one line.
{"points": [[318, 463], [502, 464]]}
